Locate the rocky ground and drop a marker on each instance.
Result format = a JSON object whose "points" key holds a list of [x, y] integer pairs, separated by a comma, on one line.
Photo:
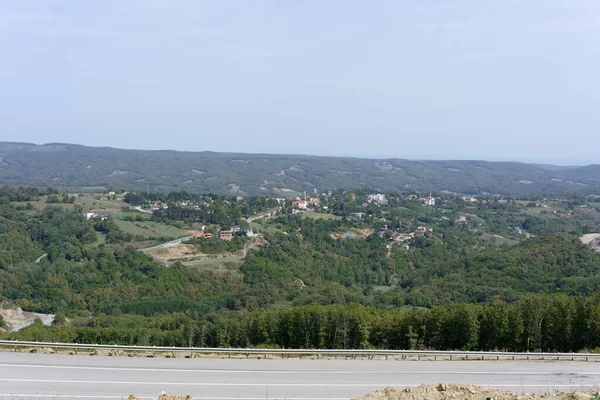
{"points": [[443, 391], [17, 319], [593, 240], [595, 244], [450, 391]]}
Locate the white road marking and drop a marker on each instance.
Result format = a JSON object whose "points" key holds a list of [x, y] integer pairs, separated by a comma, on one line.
{"points": [[312, 372], [279, 384]]}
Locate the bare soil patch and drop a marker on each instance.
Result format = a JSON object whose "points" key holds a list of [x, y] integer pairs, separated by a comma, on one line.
{"points": [[17, 319], [181, 252], [361, 233], [165, 396], [587, 239]]}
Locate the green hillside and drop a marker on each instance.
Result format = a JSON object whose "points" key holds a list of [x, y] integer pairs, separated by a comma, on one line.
{"points": [[93, 168]]}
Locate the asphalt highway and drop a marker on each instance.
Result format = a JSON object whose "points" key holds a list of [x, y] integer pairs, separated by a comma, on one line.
{"points": [[40, 376]]}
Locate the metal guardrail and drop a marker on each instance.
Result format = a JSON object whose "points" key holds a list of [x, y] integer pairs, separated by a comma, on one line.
{"points": [[466, 355]]}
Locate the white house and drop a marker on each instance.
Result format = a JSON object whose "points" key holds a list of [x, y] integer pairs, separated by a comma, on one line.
{"points": [[430, 201], [377, 198]]}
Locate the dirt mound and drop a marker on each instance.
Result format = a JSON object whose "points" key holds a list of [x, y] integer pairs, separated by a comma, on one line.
{"points": [[112, 353], [451, 391], [42, 350], [164, 396]]}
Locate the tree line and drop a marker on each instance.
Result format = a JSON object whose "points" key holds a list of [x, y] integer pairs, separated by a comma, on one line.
{"points": [[537, 323]]}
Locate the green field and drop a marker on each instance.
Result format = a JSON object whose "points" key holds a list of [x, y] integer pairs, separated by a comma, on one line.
{"points": [[150, 229], [87, 203], [230, 262], [265, 228], [499, 241], [99, 206], [318, 215]]}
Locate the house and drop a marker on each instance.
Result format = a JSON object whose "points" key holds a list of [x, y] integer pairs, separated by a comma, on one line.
{"points": [[421, 230], [300, 204], [196, 234], [226, 235], [377, 198], [250, 233], [89, 214], [430, 201], [358, 215], [462, 218], [313, 201], [402, 238]]}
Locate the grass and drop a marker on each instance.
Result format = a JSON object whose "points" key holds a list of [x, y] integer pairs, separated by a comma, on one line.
{"points": [[87, 203], [318, 215], [100, 238], [499, 241], [150, 229], [100, 206], [382, 289], [266, 228], [228, 263]]}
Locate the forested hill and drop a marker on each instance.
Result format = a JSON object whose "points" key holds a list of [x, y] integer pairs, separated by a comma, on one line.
{"points": [[81, 167]]}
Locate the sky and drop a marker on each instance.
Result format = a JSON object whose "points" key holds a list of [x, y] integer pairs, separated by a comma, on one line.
{"points": [[514, 80]]}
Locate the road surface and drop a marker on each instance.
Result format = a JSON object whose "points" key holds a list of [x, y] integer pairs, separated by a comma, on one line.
{"points": [[172, 243], [33, 376], [37, 260]]}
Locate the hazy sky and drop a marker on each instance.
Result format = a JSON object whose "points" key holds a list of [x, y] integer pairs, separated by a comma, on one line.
{"points": [[499, 80]]}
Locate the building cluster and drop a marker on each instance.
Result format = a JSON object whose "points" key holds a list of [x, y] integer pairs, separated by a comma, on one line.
{"points": [[400, 236]]}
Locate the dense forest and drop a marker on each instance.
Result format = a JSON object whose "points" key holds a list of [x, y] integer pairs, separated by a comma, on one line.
{"points": [[310, 283]]}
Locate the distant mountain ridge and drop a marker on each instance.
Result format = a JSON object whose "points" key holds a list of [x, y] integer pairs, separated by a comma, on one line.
{"points": [[88, 168]]}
